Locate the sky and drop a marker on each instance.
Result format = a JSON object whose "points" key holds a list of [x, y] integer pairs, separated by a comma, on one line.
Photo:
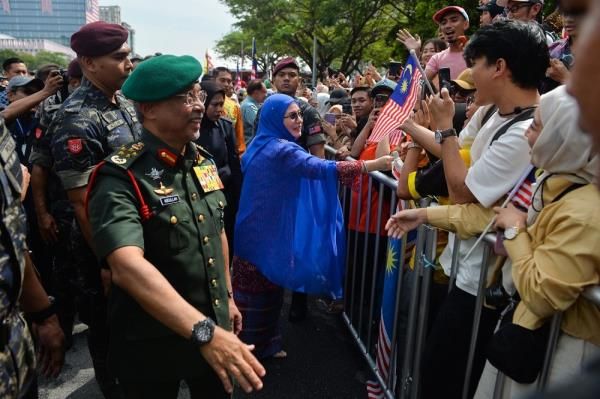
{"points": [[180, 27]]}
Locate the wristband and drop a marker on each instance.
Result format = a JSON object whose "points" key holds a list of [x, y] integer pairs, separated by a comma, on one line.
{"points": [[42, 315], [412, 145]]}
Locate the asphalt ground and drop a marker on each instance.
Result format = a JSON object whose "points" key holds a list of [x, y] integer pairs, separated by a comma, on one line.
{"points": [[323, 362]]}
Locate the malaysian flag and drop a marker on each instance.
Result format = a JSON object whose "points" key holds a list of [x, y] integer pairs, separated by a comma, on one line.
{"points": [[6, 6], [254, 63], [92, 11], [395, 260], [46, 6], [401, 103], [524, 195]]}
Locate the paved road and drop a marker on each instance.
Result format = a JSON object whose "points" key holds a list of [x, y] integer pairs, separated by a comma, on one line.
{"points": [[322, 362]]}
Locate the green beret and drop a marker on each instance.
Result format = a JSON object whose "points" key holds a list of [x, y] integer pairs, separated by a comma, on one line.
{"points": [[161, 77]]}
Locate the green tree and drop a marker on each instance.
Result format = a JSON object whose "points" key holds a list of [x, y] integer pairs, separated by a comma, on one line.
{"points": [[35, 61], [345, 31]]}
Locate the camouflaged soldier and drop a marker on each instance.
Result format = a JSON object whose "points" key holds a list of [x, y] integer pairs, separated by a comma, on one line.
{"points": [[20, 289], [156, 210], [55, 215], [91, 123]]}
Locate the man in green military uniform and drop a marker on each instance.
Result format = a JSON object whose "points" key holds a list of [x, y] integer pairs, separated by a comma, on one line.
{"points": [[156, 212]]}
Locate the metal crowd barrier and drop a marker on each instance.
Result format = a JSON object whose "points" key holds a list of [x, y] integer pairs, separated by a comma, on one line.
{"points": [[363, 294]]}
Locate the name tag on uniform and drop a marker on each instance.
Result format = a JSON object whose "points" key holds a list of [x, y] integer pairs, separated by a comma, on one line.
{"points": [[170, 200], [208, 176]]}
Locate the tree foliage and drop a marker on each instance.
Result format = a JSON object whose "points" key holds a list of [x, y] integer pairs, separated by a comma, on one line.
{"points": [[350, 33], [35, 61]]}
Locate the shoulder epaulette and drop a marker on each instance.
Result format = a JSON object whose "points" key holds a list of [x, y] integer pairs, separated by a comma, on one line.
{"points": [[125, 156], [203, 151]]}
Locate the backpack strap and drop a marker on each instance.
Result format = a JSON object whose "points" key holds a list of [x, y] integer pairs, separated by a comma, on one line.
{"points": [[527, 114], [488, 114], [567, 190]]}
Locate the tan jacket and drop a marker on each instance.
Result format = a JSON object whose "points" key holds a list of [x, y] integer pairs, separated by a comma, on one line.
{"points": [[554, 262]]}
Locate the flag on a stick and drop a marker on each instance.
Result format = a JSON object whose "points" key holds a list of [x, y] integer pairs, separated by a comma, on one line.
{"points": [[401, 102]]}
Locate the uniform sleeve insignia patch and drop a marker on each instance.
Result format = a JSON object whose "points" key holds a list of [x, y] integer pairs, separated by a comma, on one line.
{"points": [[75, 146]]}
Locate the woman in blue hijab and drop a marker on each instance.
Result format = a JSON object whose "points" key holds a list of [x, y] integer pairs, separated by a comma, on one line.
{"points": [[289, 227]]}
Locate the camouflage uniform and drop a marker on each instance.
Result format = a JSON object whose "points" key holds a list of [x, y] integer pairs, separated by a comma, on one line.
{"points": [[64, 280], [83, 132], [17, 357]]}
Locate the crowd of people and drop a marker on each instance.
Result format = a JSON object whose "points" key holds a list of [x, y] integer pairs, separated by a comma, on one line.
{"points": [[169, 211]]}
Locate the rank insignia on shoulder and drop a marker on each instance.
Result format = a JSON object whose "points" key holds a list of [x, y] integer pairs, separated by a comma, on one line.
{"points": [[118, 160], [170, 200], [162, 190], [137, 146]]}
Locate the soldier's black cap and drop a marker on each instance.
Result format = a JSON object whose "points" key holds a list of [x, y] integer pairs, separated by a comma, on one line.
{"points": [[98, 38], [161, 77]]}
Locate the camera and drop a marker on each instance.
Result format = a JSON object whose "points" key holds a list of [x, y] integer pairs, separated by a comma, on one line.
{"points": [[64, 89]]}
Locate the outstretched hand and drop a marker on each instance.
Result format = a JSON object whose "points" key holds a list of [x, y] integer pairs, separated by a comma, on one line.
{"points": [[229, 356], [404, 221]]}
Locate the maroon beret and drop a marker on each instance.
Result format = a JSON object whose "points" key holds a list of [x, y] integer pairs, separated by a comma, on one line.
{"points": [[98, 38], [287, 62]]}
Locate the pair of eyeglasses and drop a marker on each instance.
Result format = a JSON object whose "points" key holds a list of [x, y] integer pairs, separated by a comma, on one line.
{"points": [[294, 115], [516, 7], [191, 98], [470, 100]]}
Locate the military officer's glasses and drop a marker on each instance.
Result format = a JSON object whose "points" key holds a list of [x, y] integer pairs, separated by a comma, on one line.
{"points": [[191, 98]]}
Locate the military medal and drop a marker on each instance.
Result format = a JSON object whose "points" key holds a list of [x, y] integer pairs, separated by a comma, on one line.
{"points": [[208, 177]]}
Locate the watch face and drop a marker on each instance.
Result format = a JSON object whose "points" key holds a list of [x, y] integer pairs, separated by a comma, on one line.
{"points": [[510, 233], [438, 137], [203, 331]]}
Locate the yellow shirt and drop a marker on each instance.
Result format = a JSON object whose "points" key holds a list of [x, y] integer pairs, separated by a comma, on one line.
{"points": [[553, 262], [231, 110]]}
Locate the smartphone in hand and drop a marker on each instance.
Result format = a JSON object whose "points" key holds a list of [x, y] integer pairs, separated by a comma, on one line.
{"points": [[330, 118]]}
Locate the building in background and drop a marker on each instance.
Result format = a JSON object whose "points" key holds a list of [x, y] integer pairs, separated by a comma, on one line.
{"points": [[50, 20], [131, 39], [34, 46], [110, 14]]}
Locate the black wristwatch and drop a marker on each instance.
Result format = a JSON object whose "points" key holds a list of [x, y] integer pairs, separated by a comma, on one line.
{"points": [[203, 331], [441, 135]]}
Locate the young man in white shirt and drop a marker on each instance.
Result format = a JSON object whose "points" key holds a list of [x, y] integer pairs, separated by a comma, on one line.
{"points": [[508, 60]]}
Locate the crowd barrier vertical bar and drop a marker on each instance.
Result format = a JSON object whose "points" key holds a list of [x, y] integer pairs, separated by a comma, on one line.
{"points": [[376, 266], [552, 342], [499, 386], [421, 333], [354, 260], [364, 259], [454, 267], [476, 319], [407, 363]]}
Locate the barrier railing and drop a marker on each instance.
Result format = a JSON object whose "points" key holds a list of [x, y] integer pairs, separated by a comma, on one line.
{"points": [[363, 293]]}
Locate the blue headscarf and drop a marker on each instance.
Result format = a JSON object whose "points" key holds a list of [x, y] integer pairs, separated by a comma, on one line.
{"points": [[290, 223]]}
